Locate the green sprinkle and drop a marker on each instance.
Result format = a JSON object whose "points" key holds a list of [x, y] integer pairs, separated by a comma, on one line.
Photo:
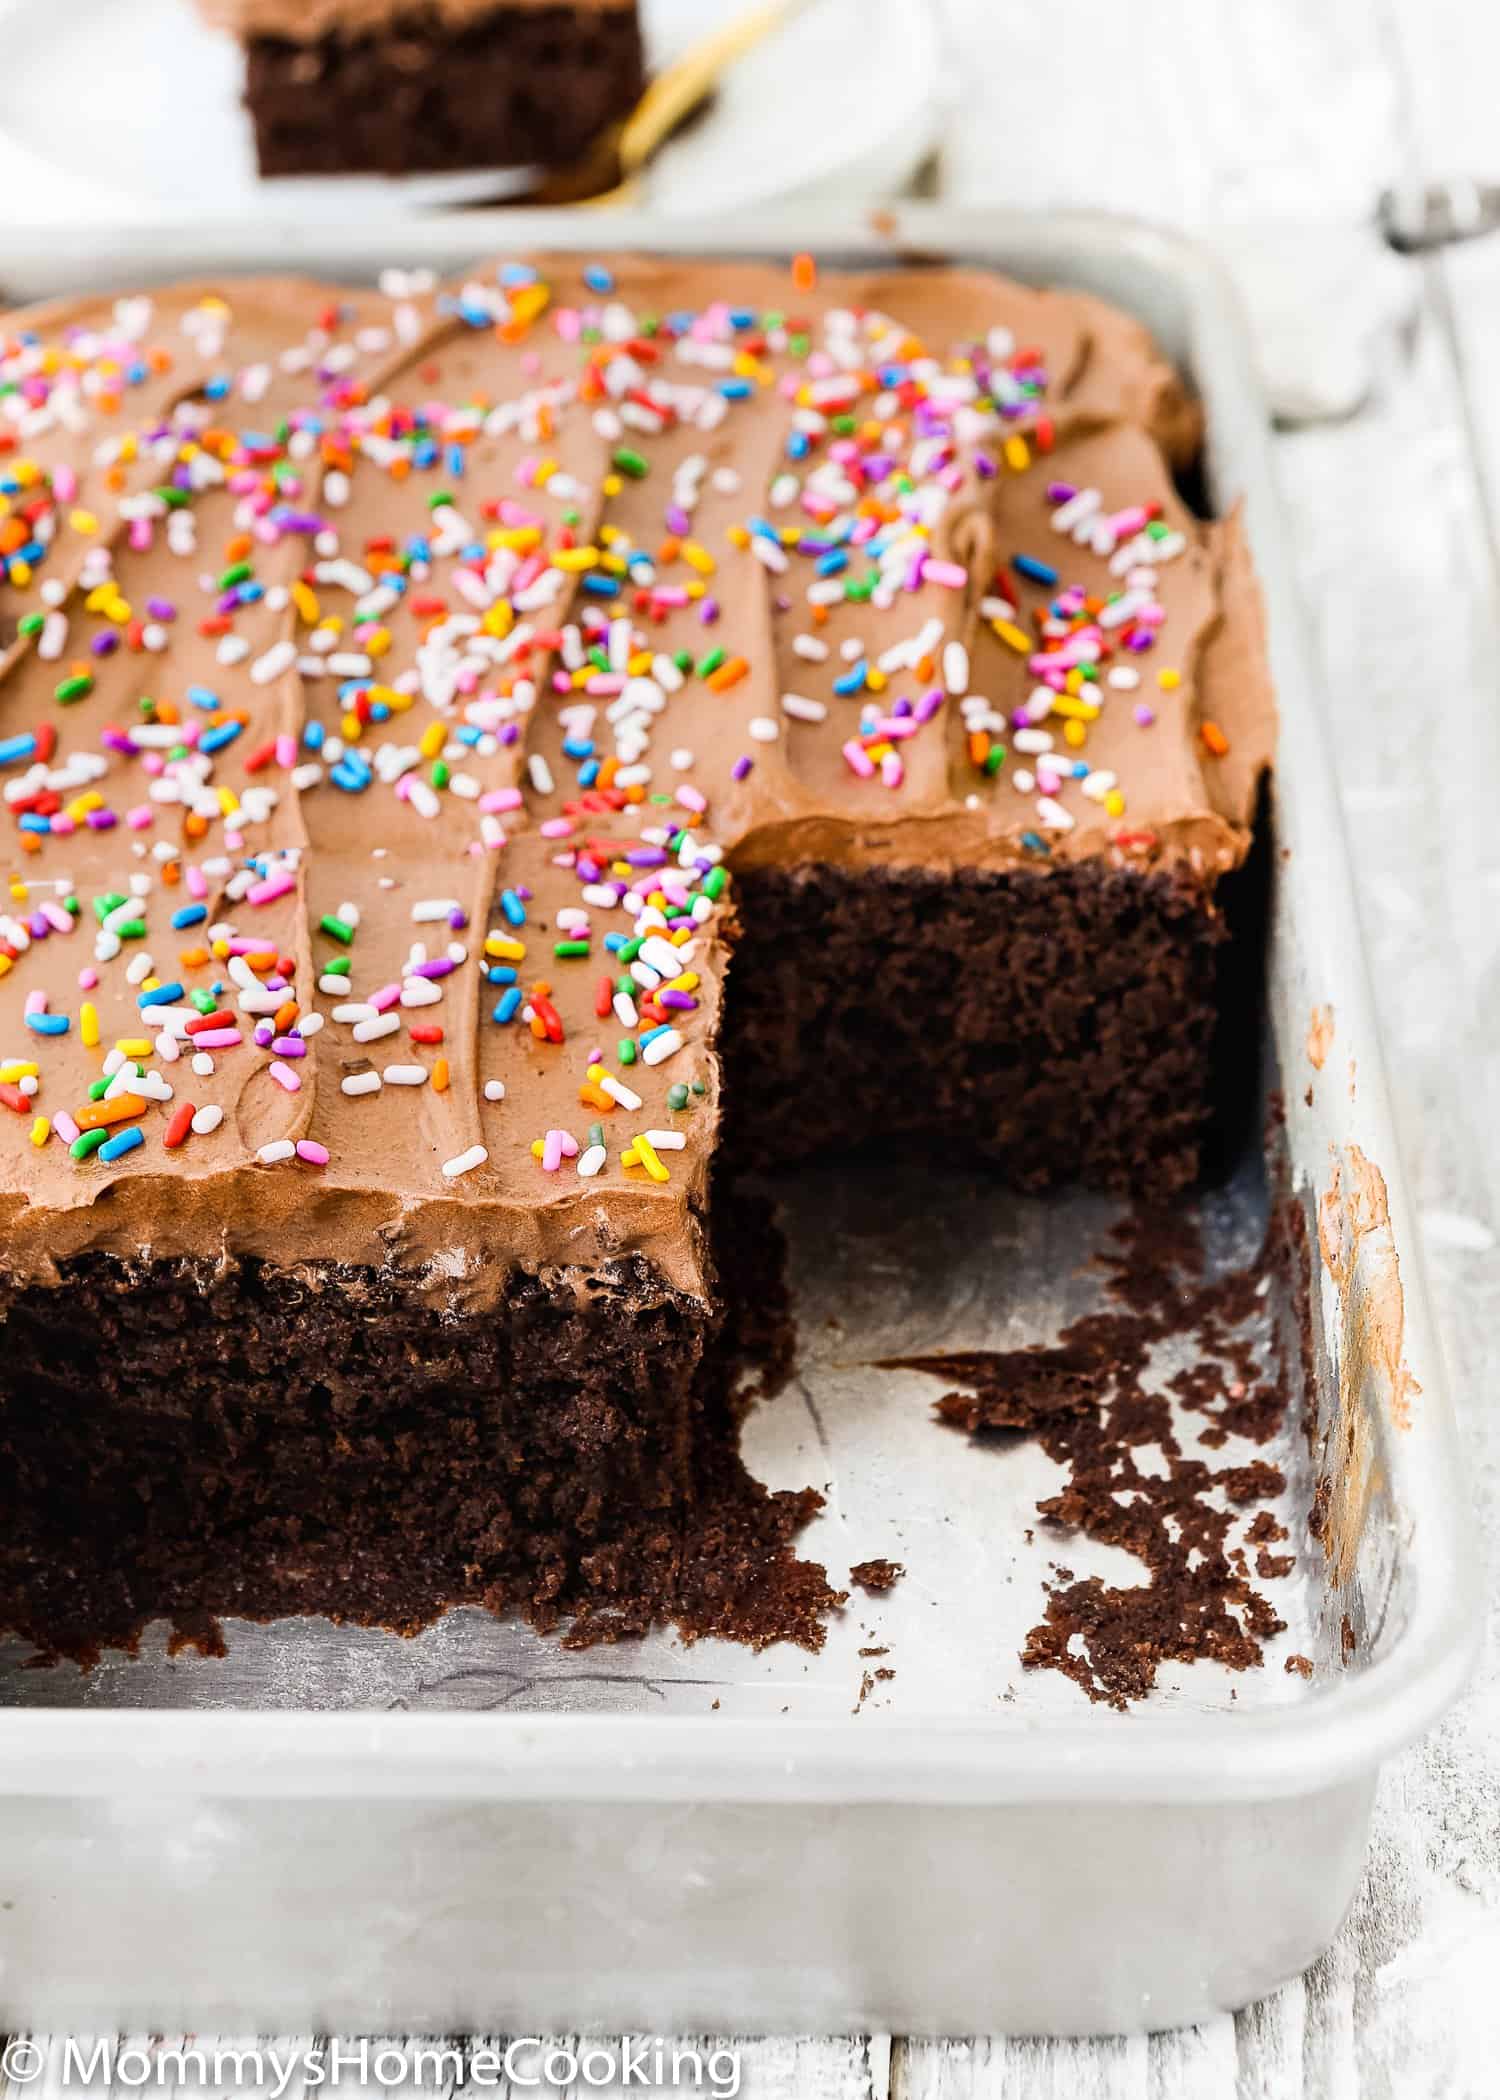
{"points": [[627, 1050], [442, 772], [631, 949], [995, 760], [711, 663], [132, 930], [632, 463], [677, 1096], [110, 901], [73, 688], [336, 928], [683, 658], [700, 1086], [440, 500], [204, 1001], [88, 1143], [32, 624], [596, 1133], [714, 881], [98, 1089], [338, 966], [570, 951], [238, 572]]}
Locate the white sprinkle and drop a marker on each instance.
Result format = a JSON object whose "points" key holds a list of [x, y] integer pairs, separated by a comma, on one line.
{"points": [[661, 1047], [763, 730], [591, 1161], [801, 709], [494, 1090], [405, 1075], [430, 909], [371, 1031], [466, 1162], [667, 1140], [361, 1083], [278, 658], [618, 1091], [810, 649], [956, 668], [207, 1120], [279, 1149], [540, 773], [203, 1065], [354, 1011]]}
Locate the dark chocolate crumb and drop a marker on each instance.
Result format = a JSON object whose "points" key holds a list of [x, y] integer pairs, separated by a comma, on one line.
{"points": [[1299, 1666], [877, 1574]]}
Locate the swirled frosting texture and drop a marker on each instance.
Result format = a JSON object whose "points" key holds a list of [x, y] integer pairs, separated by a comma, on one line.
{"points": [[392, 683]]}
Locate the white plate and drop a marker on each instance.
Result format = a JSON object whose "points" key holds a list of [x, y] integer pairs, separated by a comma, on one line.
{"points": [[131, 109]]}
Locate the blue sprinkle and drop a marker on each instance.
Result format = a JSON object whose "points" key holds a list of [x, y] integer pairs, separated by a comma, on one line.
{"points": [[513, 908], [509, 1005], [351, 778], [833, 564], [735, 389], [588, 774], [122, 1142], [215, 739], [202, 697], [1039, 571], [164, 995], [16, 748], [32, 822], [602, 586], [598, 279], [47, 1024], [501, 973], [852, 681], [650, 1034], [313, 735], [578, 747], [189, 915]]}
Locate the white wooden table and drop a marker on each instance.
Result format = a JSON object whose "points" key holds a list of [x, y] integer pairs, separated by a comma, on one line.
{"points": [[1239, 114]]}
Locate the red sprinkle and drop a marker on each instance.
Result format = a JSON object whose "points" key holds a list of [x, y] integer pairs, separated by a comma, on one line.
{"points": [[181, 1123], [425, 1032], [604, 998], [14, 1098]]}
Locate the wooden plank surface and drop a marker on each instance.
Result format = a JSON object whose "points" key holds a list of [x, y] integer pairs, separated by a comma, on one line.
{"points": [[1220, 115]]}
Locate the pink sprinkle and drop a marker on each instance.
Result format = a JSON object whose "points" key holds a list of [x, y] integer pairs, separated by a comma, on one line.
{"points": [[62, 824], [284, 1076], [286, 751], [141, 818], [217, 1039], [386, 997], [36, 1003], [557, 828], [87, 979], [500, 798], [197, 882], [315, 1154], [860, 760], [949, 574], [65, 1127], [552, 1151], [273, 886]]}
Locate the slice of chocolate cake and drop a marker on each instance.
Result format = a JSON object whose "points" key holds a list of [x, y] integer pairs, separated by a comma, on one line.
{"points": [[483, 761], [403, 87]]}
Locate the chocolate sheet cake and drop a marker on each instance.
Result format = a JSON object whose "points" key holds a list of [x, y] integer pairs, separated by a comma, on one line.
{"points": [[485, 763], [401, 87]]}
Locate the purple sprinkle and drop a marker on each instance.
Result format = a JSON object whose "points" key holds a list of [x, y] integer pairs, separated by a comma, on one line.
{"points": [[1143, 714], [985, 466], [441, 967], [101, 820], [510, 733], [678, 521], [105, 643], [741, 767], [38, 927], [1060, 492], [289, 1046], [646, 857], [161, 608], [263, 1034], [458, 918], [684, 1000], [708, 612], [117, 740]]}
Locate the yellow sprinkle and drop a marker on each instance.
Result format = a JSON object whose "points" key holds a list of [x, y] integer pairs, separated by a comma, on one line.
{"points": [[700, 559], [1013, 636], [1114, 803], [351, 729], [1075, 734], [5, 962], [519, 539], [83, 521], [501, 948], [737, 536], [20, 891], [20, 573], [134, 1045], [876, 679], [331, 624], [640, 663], [378, 643], [390, 696], [687, 982], [432, 740], [1169, 680], [613, 485], [615, 564], [545, 472], [17, 1069], [574, 560], [306, 603], [1017, 452], [499, 619], [646, 1156], [610, 534], [1075, 710], [228, 800], [40, 1130], [88, 1024], [80, 805]]}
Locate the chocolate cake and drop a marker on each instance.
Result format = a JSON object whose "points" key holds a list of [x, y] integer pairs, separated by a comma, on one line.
{"points": [[402, 87], [485, 764]]}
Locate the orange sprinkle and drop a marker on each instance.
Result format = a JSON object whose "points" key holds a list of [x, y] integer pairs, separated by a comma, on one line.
{"points": [[728, 674], [804, 273], [1214, 737], [440, 1076]]}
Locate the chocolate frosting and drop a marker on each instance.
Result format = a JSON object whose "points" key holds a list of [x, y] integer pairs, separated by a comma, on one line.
{"points": [[306, 21], [419, 627]]}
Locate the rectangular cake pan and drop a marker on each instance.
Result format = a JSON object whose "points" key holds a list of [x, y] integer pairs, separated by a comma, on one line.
{"points": [[477, 1830]]}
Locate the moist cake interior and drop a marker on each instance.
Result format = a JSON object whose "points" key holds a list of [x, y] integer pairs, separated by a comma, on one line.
{"points": [[488, 764]]}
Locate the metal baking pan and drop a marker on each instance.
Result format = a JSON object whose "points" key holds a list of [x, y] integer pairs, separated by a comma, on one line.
{"points": [[476, 1829]]}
